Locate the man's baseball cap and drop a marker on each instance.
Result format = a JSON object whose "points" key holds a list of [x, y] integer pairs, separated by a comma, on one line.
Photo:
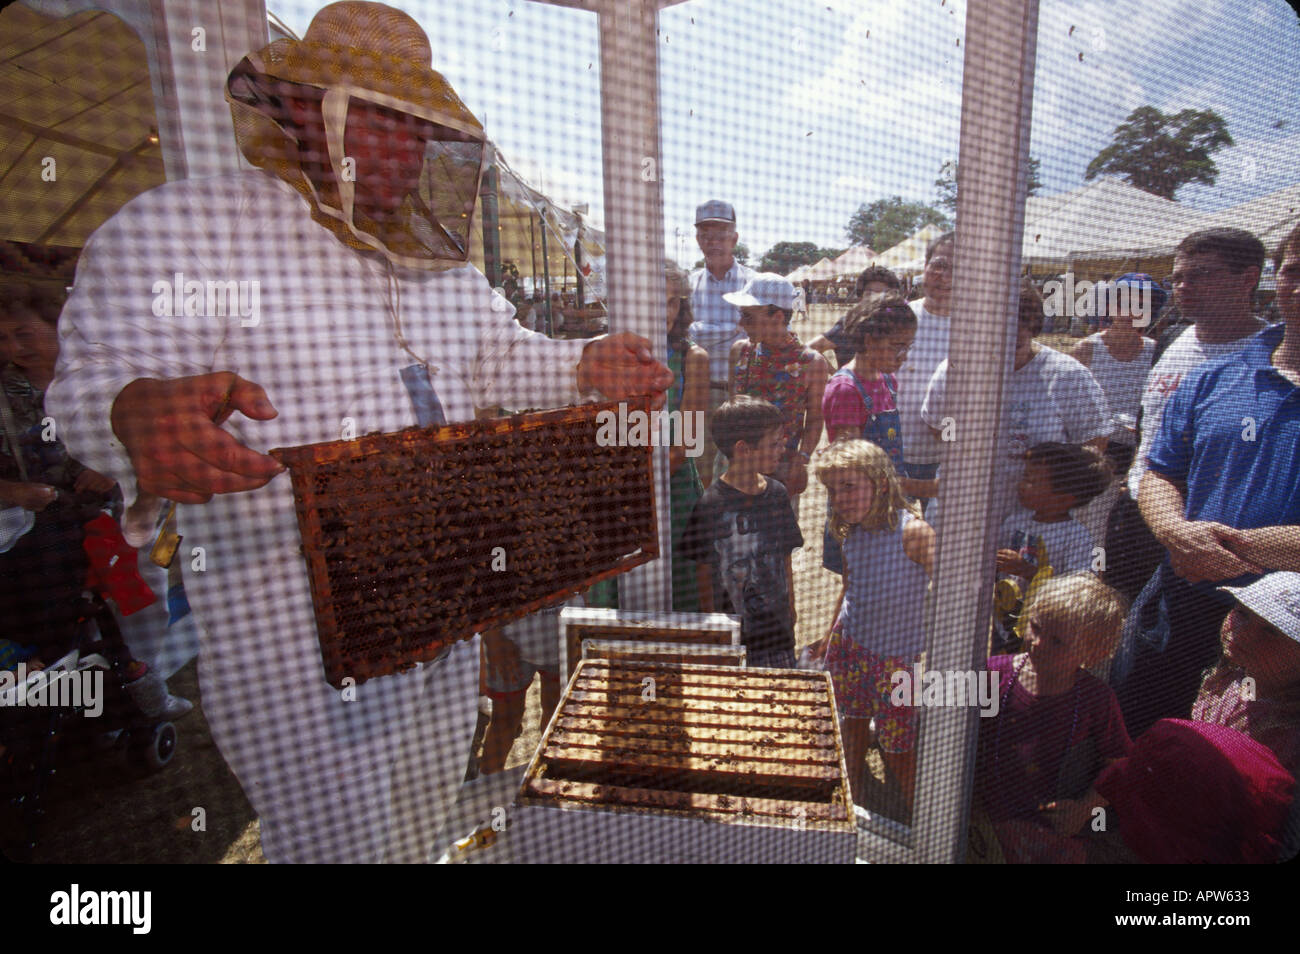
{"points": [[1143, 280], [715, 210], [1275, 598], [765, 288]]}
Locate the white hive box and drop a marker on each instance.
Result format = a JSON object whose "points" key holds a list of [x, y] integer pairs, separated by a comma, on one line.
{"points": [[680, 763], [697, 629]]}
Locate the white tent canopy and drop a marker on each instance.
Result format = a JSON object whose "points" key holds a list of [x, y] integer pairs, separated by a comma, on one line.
{"points": [[1269, 217], [851, 263], [1104, 214], [904, 256], [821, 272]]}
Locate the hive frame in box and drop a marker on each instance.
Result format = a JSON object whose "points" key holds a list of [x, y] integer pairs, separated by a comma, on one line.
{"points": [[718, 765], [411, 605], [578, 624], [628, 650]]}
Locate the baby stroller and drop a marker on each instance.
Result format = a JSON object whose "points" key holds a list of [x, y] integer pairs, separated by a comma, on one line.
{"points": [[78, 706]]}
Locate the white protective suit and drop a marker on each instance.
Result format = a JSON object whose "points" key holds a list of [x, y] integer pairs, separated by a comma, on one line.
{"points": [[324, 774]]}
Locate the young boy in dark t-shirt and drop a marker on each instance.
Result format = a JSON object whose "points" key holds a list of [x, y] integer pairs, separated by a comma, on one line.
{"points": [[742, 532]]}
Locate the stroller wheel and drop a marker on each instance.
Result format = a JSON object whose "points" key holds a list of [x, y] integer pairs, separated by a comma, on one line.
{"points": [[152, 748]]}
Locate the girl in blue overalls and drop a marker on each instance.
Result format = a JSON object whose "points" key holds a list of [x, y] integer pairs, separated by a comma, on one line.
{"points": [[859, 400]]}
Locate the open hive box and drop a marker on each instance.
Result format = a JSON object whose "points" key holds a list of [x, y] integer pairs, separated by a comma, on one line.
{"points": [[648, 762], [582, 624], [417, 539]]}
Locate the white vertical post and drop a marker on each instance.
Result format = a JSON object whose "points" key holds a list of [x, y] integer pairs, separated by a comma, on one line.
{"points": [[997, 99], [634, 231]]}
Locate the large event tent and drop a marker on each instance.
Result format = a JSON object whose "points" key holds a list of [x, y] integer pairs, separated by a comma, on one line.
{"points": [[908, 256], [851, 263], [1069, 230]]}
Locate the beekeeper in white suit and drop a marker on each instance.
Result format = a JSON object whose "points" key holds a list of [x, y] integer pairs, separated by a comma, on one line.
{"points": [[353, 308]]}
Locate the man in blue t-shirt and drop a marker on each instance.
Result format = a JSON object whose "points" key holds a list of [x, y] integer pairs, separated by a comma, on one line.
{"points": [[1222, 495]]}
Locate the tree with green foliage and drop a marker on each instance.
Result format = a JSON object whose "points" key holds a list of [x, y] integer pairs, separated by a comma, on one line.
{"points": [[886, 222], [946, 184], [785, 257], [1160, 154]]}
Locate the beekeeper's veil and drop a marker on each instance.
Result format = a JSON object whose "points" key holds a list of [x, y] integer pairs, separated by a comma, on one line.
{"points": [[356, 57]]}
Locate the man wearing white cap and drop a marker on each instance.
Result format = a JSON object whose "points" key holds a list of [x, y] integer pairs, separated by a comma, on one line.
{"points": [[354, 232], [717, 322]]}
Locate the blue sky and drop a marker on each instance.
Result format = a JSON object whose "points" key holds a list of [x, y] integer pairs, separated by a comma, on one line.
{"points": [[798, 111]]}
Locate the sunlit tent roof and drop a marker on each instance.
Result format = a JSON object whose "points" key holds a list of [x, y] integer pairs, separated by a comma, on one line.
{"points": [[1269, 217], [821, 272], [851, 263], [78, 134], [799, 274], [1104, 214], [906, 254]]}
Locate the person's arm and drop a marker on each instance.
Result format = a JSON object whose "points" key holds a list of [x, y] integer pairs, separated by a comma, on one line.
{"points": [[1083, 353], [621, 366], [1199, 550], [821, 344], [918, 544], [817, 650], [1270, 548], [737, 348], [28, 495], [1010, 561], [134, 391], [695, 398], [818, 372], [171, 431], [1082, 406], [921, 489], [704, 580], [789, 586]]}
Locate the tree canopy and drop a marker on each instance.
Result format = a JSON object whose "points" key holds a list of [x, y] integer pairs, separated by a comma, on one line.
{"points": [[946, 184], [785, 257], [1161, 154], [886, 222]]}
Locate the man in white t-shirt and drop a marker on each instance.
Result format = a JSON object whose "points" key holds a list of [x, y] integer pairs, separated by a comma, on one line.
{"points": [[1048, 397], [933, 323], [1214, 278], [717, 322]]}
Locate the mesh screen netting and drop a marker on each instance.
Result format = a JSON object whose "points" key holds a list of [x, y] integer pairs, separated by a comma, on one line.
{"points": [[612, 447]]}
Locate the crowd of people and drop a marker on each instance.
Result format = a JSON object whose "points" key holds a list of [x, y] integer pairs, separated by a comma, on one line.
{"points": [[1138, 502], [1148, 509]]}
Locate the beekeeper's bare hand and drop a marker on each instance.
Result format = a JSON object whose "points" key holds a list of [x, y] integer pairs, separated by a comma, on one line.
{"points": [[177, 449], [621, 365]]}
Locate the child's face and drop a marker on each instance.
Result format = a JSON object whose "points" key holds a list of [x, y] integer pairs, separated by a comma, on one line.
{"points": [[767, 452], [852, 494], [1053, 652], [1259, 647], [888, 352], [761, 322], [1036, 492]]}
